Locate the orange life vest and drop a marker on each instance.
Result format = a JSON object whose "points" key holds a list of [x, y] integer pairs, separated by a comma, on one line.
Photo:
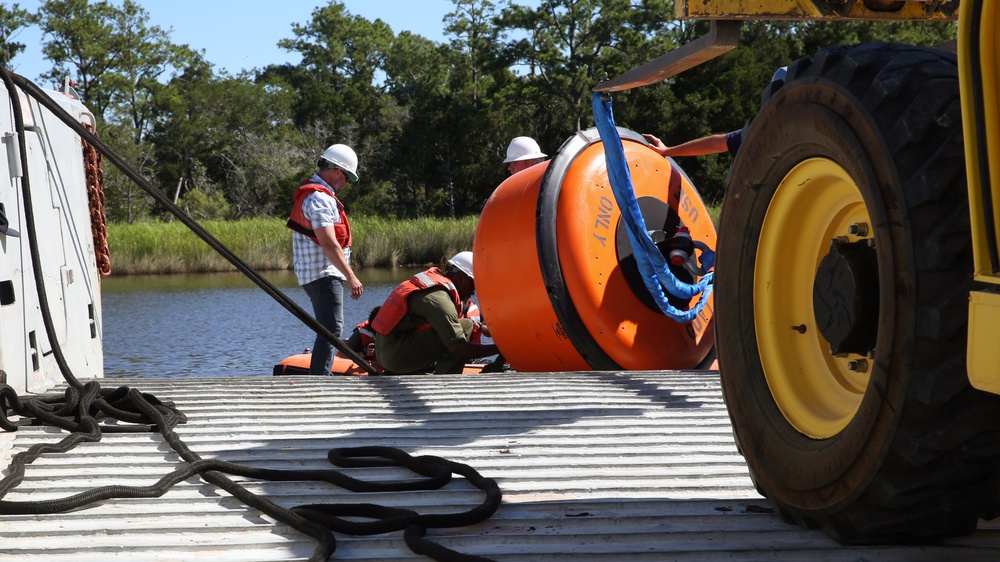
{"points": [[298, 222], [367, 335], [368, 343], [395, 307], [471, 311]]}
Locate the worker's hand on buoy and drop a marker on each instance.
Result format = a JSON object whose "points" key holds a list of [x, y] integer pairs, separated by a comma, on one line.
{"points": [[486, 330], [655, 143]]}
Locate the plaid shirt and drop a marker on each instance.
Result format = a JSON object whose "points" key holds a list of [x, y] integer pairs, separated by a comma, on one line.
{"points": [[308, 257]]}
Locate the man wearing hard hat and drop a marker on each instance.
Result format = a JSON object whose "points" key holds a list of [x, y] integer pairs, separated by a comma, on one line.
{"points": [[321, 246], [421, 327], [522, 153]]}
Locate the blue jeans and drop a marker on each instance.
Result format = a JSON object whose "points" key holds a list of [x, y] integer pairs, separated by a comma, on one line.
{"points": [[327, 296]]}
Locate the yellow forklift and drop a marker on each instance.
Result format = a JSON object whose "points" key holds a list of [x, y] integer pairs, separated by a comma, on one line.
{"points": [[857, 288]]}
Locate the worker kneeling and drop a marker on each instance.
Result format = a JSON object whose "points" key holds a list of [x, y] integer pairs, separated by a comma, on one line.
{"points": [[421, 328]]}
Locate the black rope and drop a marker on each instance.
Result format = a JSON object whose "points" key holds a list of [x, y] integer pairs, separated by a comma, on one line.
{"points": [[83, 410], [82, 407]]}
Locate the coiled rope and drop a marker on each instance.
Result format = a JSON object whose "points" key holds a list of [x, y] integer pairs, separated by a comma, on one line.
{"points": [[81, 411]]}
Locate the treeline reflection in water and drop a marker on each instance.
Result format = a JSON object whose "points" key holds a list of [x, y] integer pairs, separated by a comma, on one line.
{"points": [[217, 324]]}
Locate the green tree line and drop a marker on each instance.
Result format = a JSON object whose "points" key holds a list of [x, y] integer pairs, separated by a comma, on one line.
{"points": [[430, 121]]}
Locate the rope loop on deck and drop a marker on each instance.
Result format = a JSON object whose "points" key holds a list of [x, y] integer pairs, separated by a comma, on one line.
{"points": [[127, 410]]}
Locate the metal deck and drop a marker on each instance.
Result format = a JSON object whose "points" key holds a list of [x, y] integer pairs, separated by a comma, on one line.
{"points": [[593, 467]]}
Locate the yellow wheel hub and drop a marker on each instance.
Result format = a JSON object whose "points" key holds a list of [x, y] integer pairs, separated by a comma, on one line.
{"points": [[817, 392]]}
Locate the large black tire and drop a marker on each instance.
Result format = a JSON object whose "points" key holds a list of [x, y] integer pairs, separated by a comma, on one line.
{"points": [[883, 441]]}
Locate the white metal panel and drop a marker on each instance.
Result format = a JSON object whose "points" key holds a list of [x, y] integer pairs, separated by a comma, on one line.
{"points": [[61, 220], [13, 337]]}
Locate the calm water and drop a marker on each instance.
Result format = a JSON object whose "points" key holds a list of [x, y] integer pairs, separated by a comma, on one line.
{"points": [[218, 324]]}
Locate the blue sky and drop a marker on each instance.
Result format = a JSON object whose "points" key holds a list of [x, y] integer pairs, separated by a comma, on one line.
{"points": [[244, 35]]}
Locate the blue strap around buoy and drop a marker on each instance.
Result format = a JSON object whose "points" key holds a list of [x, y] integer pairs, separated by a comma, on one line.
{"points": [[653, 266]]}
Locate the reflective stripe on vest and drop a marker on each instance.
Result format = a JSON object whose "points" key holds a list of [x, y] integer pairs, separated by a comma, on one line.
{"points": [[365, 330], [367, 340], [470, 310]]}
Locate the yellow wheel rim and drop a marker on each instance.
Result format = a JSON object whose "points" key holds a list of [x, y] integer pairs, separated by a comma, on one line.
{"points": [[818, 393]]}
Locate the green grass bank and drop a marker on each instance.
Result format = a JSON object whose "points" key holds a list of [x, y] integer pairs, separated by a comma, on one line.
{"points": [[266, 244]]}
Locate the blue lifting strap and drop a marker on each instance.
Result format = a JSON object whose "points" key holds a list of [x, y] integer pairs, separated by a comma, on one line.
{"points": [[653, 267]]}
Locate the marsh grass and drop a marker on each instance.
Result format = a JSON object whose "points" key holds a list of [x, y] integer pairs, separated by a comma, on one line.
{"points": [[384, 243], [266, 244]]}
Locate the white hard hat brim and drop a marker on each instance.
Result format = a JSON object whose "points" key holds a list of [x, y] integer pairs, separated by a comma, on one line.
{"points": [[462, 267], [462, 261], [531, 156], [351, 176], [343, 157]]}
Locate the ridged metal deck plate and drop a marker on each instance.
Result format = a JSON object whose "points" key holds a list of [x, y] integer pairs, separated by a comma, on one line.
{"points": [[593, 467]]}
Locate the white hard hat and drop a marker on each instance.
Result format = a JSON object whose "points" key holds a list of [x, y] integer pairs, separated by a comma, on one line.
{"points": [[463, 261], [343, 157], [523, 148]]}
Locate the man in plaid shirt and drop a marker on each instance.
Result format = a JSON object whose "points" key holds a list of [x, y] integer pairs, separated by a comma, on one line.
{"points": [[321, 246]]}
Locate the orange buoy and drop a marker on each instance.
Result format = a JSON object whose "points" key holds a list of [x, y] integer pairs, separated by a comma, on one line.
{"points": [[556, 278]]}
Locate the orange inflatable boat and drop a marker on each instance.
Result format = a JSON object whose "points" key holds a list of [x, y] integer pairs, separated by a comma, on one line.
{"points": [[555, 275], [299, 365]]}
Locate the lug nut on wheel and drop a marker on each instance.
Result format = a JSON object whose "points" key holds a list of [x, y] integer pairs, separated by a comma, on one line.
{"points": [[858, 229]]}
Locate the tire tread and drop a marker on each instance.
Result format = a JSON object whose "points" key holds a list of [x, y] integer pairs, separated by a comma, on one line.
{"points": [[942, 470]]}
